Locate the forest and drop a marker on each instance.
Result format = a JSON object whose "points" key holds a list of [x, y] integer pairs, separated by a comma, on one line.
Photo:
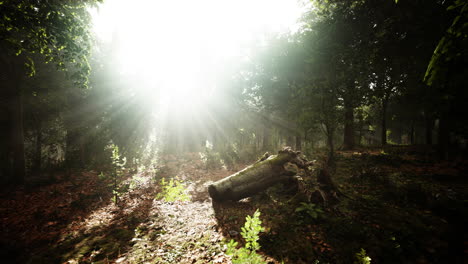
{"points": [[220, 131]]}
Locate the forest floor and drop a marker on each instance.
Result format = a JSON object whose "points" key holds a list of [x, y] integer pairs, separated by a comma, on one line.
{"points": [[400, 206]]}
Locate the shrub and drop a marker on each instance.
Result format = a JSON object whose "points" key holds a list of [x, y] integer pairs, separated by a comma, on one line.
{"points": [[250, 231], [173, 190], [310, 209], [362, 258]]}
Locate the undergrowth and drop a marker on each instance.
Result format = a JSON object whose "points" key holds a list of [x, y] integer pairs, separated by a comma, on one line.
{"points": [[173, 190], [250, 233]]}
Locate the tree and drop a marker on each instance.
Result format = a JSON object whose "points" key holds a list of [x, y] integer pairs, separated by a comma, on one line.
{"points": [[58, 32], [445, 75]]}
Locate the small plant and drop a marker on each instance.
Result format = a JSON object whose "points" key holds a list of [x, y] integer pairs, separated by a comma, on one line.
{"points": [[101, 176], [362, 258], [118, 167], [250, 231], [310, 209], [173, 190]]}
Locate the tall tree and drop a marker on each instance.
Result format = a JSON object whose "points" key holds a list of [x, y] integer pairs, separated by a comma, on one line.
{"points": [[58, 31]]}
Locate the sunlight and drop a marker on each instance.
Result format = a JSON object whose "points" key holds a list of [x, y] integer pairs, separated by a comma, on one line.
{"points": [[176, 47]]}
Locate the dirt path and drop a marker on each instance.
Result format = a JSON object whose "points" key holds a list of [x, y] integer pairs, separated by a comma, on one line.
{"points": [[77, 221]]}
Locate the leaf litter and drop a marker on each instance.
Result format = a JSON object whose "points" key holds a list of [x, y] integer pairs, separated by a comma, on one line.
{"points": [[75, 220]]}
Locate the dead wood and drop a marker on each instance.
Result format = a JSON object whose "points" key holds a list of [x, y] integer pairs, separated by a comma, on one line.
{"points": [[257, 177]]}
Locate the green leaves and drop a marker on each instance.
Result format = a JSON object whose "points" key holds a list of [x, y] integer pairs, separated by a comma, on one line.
{"points": [[46, 28], [30, 67], [250, 233], [172, 191], [362, 258], [449, 46], [310, 209]]}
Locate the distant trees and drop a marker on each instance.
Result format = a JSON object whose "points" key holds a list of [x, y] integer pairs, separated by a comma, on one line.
{"points": [[351, 54], [354, 70]]}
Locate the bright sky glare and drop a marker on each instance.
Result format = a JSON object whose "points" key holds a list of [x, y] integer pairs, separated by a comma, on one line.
{"points": [[175, 44]]}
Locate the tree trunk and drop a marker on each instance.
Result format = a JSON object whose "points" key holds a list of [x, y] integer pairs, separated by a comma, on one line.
{"points": [[10, 88], [429, 122], [360, 117], [17, 136], [257, 177], [266, 139], [330, 142], [289, 140], [443, 137], [348, 140], [38, 152], [412, 142], [298, 141], [384, 123], [5, 167], [398, 134]]}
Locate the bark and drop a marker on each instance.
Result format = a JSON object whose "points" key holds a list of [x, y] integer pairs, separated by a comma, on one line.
{"points": [[443, 138], [38, 151], [289, 140], [412, 142], [266, 172], [16, 135], [11, 95], [428, 129], [384, 123], [74, 151], [361, 124], [298, 141], [331, 145], [398, 134], [327, 192], [5, 167], [266, 139], [348, 140]]}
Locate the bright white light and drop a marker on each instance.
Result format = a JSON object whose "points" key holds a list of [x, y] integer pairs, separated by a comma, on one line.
{"points": [[177, 45]]}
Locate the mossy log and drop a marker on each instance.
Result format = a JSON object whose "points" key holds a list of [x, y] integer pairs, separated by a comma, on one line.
{"points": [[257, 177]]}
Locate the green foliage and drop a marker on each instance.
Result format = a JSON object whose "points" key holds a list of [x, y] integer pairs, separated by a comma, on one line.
{"points": [[450, 46], [250, 233], [310, 209], [61, 34], [118, 168], [362, 258], [251, 229], [118, 162], [173, 190]]}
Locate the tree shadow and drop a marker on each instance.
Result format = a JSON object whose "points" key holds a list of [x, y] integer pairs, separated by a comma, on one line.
{"points": [[101, 243], [36, 216], [44, 223]]}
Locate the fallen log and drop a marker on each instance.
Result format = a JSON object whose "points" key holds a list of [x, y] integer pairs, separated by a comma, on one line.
{"points": [[257, 177]]}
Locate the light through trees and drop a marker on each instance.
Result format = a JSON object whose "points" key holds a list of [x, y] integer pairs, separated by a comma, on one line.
{"points": [[177, 47], [181, 55]]}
